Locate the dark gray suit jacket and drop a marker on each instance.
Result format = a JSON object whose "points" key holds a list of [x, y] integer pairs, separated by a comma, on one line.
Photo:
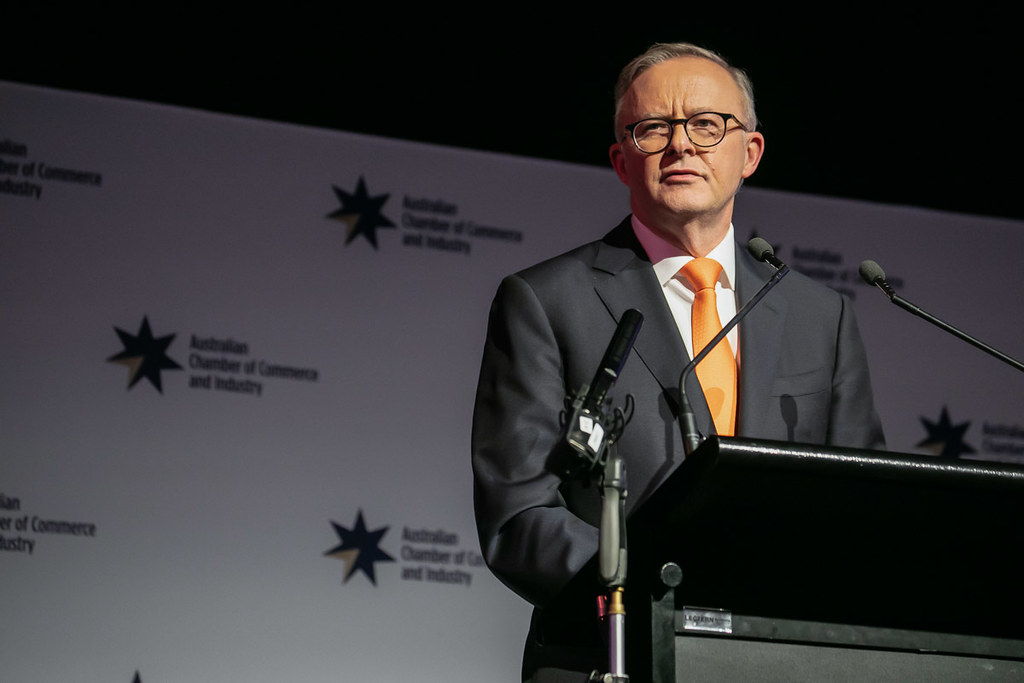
{"points": [[803, 377]]}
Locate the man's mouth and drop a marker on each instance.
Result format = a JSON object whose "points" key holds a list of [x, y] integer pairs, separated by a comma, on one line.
{"points": [[680, 175]]}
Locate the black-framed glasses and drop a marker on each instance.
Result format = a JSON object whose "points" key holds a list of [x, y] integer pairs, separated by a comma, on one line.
{"points": [[705, 129]]}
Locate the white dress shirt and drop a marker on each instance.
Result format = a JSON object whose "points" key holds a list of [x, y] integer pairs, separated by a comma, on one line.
{"points": [[667, 259]]}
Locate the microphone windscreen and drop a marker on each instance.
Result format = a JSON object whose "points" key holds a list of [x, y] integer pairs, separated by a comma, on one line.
{"points": [[760, 249], [871, 272]]}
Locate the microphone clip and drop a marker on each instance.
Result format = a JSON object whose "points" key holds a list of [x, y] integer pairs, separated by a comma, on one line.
{"points": [[589, 433]]}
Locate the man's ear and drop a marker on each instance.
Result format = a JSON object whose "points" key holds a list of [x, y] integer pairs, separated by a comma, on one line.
{"points": [[755, 150], [618, 160]]}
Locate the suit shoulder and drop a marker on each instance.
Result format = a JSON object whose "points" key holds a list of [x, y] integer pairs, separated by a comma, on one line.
{"points": [[585, 262], [810, 294], [813, 290], [575, 261]]}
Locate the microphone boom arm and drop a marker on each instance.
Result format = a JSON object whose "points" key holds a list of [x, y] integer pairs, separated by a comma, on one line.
{"points": [[690, 432], [916, 310]]}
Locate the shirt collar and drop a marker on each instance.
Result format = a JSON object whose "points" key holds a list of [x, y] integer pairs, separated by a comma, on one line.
{"points": [[668, 258]]}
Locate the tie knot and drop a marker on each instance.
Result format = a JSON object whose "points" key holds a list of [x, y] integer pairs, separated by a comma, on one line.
{"points": [[702, 272]]}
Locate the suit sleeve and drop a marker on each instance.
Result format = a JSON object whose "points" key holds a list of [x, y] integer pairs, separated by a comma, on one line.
{"points": [[530, 540], [853, 420]]}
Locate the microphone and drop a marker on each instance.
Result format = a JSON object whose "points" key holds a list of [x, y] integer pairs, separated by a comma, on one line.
{"points": [[585, 435], [873, 274], [762, 251], [614, 359]]}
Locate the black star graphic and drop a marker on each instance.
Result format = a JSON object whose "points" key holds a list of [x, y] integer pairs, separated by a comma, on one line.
{"points": [[144, 355], [944, 439], [137, 679], [359, 549], [361, 213]]}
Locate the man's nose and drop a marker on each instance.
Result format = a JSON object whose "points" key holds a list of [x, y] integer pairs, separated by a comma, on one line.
{"points": [[680, 142]]}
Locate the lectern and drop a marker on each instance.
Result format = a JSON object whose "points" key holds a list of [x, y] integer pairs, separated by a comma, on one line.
{"points": [[768, 561]]}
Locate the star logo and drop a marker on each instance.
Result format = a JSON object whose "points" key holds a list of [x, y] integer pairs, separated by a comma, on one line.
{"points": [[945, 439], [144, 355], [361, 213], [359, 549]]}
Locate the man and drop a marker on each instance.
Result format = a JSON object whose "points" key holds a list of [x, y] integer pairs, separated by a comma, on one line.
{"points": [[685, 140]]}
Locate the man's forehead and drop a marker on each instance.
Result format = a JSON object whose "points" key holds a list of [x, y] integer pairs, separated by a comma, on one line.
{"points": [[684, 78]]}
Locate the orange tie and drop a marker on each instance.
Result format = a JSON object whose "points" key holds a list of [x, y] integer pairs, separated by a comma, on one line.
{"points": [[717, 372]]}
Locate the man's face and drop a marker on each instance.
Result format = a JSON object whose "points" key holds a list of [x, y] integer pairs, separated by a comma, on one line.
{"points": [[684, 182]]}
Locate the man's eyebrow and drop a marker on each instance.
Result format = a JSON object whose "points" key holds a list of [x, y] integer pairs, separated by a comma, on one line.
{"points": [[690, 111]]}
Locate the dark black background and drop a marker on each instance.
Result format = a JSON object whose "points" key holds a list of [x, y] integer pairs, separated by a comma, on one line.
{"points": [[879, 103]]}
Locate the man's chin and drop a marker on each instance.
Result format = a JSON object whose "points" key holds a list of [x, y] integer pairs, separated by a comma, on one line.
{"points": [[681, 212]]}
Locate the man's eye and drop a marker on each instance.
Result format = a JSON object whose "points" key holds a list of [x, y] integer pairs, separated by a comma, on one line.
{"points": [[652, 128], [708, 123]]}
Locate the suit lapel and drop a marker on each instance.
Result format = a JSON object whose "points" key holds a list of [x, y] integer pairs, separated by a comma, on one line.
{"points": [[760, 343], [629, 282], [626, 280]]}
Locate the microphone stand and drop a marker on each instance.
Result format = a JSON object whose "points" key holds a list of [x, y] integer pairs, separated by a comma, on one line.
{"points": [[879, 281], [612, 562], [583, 458], [589, 451], [691, 435]]}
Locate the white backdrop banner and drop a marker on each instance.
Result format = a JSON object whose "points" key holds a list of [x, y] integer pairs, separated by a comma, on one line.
{"points": [[238, 367]]}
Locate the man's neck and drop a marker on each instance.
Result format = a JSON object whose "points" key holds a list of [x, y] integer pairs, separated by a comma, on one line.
{"points": [[696, 240], [695, 235], [667, 257]]}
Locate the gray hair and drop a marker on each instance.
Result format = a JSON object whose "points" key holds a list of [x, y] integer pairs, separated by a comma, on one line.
{"points": [[662, 52]]}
